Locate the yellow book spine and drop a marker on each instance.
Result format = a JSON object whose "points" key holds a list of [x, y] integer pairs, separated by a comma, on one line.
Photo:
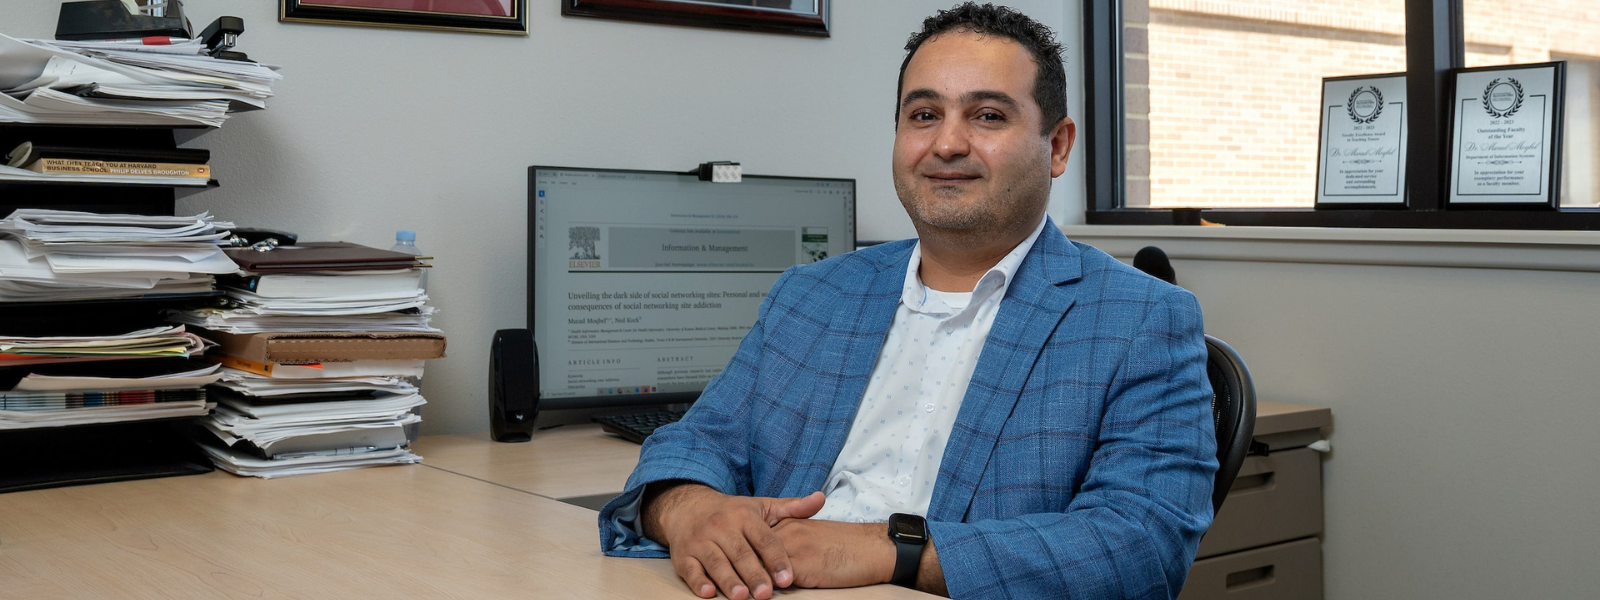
{"points": [[242, 364], [108, 167]]}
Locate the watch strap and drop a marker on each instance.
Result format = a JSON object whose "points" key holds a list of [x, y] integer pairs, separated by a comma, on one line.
{"points": [[907, 561]]}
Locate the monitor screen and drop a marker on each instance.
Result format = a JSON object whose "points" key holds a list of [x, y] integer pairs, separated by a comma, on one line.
{"points": [[642, 283]]}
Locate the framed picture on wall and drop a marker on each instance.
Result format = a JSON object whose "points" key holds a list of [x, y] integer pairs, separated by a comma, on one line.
{"points": [[486, 16], [800, 17]]}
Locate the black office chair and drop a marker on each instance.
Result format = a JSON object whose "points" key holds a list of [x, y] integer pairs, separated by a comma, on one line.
{"points": [[1233, 394], [1233, 405]]}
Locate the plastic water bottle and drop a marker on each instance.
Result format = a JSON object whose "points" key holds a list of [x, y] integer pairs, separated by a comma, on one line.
{"points": [[405, 241]]}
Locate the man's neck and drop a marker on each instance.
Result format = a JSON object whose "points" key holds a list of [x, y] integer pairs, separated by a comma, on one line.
{"points": [[954, 261]]}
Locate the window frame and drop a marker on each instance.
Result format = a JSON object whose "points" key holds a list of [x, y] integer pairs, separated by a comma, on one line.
{"points": [[1435, 47]]}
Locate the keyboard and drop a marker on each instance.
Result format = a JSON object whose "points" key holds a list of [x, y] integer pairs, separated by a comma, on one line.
{"points": [[638, 426]]}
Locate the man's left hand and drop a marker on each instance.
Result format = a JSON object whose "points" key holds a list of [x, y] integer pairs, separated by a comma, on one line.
{"points": [[830, 554]]}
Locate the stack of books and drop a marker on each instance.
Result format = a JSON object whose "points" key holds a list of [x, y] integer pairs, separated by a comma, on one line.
{"points": [[322, 347]]}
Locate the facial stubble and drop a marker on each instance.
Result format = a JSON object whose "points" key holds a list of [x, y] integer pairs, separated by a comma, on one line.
{"points": [[977, 220]]}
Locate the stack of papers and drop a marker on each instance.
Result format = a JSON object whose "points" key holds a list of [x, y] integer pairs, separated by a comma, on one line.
{"points": [[104, 83], [193, 379], [59, 400], [306, 428], [146, 343], [246, 465], [333, 400], [260, 386], [269, 427], [398, 283], [351, 299], [29, 410], [66, 255], [248, 321]]}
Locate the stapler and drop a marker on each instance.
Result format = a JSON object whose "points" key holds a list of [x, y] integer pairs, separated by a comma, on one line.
{"points": [[220, 37]]}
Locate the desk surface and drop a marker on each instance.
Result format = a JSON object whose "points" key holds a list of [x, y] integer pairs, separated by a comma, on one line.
{"points": [[1279, 417], [476, 520], [390, 532], [564, 462]]}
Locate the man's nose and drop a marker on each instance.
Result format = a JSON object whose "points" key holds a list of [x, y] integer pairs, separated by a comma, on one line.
{"points": [[953, 139]]}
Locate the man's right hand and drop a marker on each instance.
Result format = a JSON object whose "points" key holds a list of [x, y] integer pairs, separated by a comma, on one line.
{"points": [[728, 540]]}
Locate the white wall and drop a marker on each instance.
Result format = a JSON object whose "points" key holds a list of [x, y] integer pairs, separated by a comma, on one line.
{"points": [[1465, 399], [1465, 409], [382, 129]]}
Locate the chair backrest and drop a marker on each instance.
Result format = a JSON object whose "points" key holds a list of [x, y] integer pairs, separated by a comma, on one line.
{"points": [[1233, 394], [1233, 406]]}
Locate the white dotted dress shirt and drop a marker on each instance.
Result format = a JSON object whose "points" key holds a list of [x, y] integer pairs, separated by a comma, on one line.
{"points": [[890, 460]]}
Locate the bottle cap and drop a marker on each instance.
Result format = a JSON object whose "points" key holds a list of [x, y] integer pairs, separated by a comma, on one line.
{"points": [[405, 235]]}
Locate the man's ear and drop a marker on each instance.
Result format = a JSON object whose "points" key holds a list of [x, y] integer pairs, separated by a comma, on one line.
{"points": [[1061, 140]]}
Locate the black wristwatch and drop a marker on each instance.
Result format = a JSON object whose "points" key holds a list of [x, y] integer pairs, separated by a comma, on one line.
{"points": [[910, 534]]}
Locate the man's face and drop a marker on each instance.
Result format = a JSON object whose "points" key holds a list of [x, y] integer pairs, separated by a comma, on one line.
{"points": [[968, 152]]}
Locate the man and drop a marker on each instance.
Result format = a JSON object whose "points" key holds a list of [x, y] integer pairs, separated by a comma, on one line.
{"points": [[1026, 416]]}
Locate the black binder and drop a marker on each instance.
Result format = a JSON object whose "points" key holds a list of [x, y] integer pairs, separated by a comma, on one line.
{"points": [[47, 457]]}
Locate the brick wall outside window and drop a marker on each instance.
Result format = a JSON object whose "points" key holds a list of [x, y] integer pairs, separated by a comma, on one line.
{"points": [[1222, 95]]}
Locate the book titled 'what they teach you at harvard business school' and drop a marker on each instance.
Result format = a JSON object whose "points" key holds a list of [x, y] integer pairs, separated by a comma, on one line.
{"points": [[154, 162]]}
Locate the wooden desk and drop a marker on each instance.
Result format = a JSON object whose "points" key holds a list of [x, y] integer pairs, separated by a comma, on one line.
{"points": [[389, 532], [565, 462]]}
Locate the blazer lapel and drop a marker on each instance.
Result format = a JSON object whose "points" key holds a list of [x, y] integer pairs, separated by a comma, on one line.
{"points": [[859, 326], [1036, 300]]}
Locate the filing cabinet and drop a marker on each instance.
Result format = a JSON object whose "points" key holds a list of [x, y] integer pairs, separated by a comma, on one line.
{"points": [[1265, 542]]}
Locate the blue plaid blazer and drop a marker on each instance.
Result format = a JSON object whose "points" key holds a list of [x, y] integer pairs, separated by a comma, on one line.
{"points": [[1081, 461]]}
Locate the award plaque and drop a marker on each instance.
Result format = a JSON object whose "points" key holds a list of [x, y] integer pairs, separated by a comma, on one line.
{"points": [[1362, 148], [1505, 149]]}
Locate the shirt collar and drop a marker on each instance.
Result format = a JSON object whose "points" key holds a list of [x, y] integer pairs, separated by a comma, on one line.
{"points": [[997, 279]]}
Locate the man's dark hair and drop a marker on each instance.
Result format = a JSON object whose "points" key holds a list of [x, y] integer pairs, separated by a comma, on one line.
{"points": [[1049, 85]]}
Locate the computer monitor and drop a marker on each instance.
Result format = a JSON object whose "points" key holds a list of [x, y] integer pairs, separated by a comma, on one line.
{"points": [[641, 284]]}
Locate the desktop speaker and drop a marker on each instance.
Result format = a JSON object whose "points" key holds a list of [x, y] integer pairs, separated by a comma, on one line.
{"points": [[513, 385]]}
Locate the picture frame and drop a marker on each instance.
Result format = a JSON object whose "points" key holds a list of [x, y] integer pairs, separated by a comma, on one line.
{"points": [[478, 16], [1505, 137], [794, 17], [1362, 143]]}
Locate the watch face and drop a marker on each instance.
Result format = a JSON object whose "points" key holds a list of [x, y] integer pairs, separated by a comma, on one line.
{"points": [[904, 528], [908, 528]]}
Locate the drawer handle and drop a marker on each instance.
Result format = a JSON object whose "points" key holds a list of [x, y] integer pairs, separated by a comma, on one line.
{"points": [[1259, 482], [1250, 578]]}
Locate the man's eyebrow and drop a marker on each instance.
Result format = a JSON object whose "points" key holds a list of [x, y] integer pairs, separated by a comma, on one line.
{"points": [[991, 96], [919, 94], [973, 97]]}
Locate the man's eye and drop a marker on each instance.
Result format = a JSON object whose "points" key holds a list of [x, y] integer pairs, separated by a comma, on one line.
{"points": [[922, 115], [992, 117]]}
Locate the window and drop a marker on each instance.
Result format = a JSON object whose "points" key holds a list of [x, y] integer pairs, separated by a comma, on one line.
{"points": [[1222, 96], [1503, 32], [1212, 104]]}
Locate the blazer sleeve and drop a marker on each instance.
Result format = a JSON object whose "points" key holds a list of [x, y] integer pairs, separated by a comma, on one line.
{"points": [[1132, 529], [710, 445]]}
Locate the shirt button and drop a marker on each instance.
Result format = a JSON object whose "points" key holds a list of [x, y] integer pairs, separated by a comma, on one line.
{"points": [[903, 481], [928, 407]]}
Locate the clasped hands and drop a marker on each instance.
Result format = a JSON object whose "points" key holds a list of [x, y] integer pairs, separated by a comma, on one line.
{"points": [[747, 546]]}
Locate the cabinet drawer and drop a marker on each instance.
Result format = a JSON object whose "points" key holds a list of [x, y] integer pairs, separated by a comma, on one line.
{"points": [[1277, 497], [1287, 571]]}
